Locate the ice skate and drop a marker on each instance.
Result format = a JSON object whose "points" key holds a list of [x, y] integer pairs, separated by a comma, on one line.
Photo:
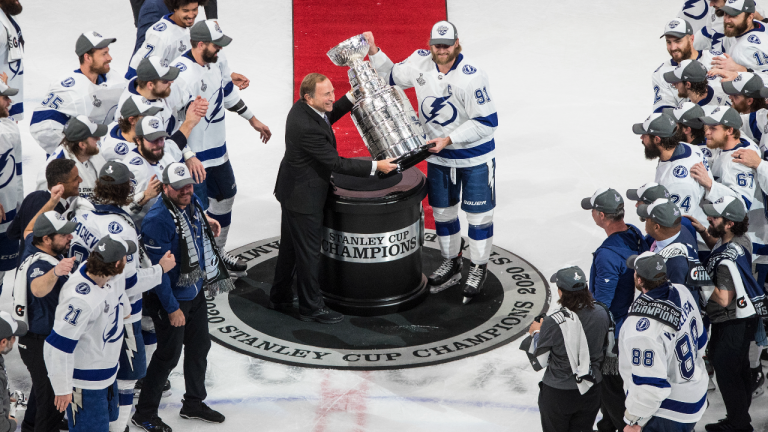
{"points": [[475, 281]]}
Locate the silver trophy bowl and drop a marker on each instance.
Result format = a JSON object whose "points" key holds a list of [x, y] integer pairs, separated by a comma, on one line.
{"points": [[383, 114]]}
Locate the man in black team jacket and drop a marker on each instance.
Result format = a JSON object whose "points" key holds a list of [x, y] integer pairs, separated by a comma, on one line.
{"points": [[302, 187]]}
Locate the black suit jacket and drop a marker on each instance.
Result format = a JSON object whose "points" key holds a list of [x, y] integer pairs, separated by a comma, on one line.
{"points": [[310, 158]]}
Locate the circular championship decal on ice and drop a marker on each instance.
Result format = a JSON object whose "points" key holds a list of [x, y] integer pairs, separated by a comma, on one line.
{"points": [[439, 329]]}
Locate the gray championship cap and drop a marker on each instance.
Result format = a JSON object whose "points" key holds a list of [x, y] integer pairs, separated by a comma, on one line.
{"points": [[117, 171], [648, 265], [736, 7], [648, 193], [7, 91], [91, 40], [112, 248], [746, 84], [49, 223], [81, 128], [687, 70], [688, 114], [677, 28], [138, 105], [150, 128], [10, 327], [209, 31], [725, 116], [443, 33], [662, 211], [604, 200], [727, 207], [657, 124], [177, 175], [153, 68], [570, 279]]}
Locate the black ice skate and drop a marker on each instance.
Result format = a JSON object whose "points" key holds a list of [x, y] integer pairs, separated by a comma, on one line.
{"points": [[448, 274], [235, 265], [475, 281]]}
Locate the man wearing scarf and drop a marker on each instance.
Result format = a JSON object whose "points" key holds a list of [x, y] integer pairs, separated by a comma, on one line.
{"points": [[177, 223]]}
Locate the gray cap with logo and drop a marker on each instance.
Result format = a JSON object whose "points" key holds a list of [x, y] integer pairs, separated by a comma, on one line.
{"points": [[138, 105], [662, 211], [177, 175], [678, 28], [604, 200], [648, 193], [209, 31], [657, 124], [50, 223], [113, 248], [150, 128], [725, 116], [688, 114], [153, 68], [727, 207], [570, 279], [687, 70], [747, 84], [648, 265], [117, 171], [91, 40], [80, 128], [736, 7], [443, 33]]}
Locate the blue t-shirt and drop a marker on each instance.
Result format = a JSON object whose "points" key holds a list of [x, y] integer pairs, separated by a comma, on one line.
{"points": [[40, 310]]}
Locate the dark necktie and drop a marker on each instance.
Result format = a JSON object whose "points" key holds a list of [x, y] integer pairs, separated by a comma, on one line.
{"points": [[325, 117]]}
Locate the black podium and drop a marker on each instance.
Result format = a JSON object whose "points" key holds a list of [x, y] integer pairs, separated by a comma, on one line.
{"points": [[373, 233]]}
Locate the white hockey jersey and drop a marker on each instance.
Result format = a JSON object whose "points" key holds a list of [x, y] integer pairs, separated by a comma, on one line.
{"points": [[674, 175], [88, 170], [665, 94], [96, 221], [165, 39], [697, 13], [212, 82], [754, 125], [747, 49], [662, 366], [143, 172], [114, 146], [12, 62], [72, 96], [83, 348], [456, 104], [739, 180], [11, 185]]}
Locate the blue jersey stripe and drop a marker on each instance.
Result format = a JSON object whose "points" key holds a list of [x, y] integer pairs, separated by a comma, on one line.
{"points": [[136, 307], [756, 132], [18, 168], [131, 73], [489, 120], [465, 153], [94, 374], [481, 232], [224, 220], [684, 407], [228, 88], [130, 281], [651, 381], [40, 116], [17, 108], [213, 153], [61, 343]]}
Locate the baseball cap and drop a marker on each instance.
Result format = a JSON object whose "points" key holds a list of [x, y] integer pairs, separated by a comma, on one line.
{"points": [[678, 28], [49, 223], [177, 175], [209, 31], [7, 91], [662, 211], [747, 84], [727, 207], [138, 105], [657, 124], [648, 265], [687, 70], [570, 279], [116, 170], [688, 114], [735, 7], [725, 116], [606, 200], [443, 33], [113, 248], [81, 127], [10, 327], [648, 193], [153, 68], [91, 40], [150, 128]]}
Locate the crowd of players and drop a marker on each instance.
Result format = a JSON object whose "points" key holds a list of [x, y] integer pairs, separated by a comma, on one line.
{"points": [[701, 267]]}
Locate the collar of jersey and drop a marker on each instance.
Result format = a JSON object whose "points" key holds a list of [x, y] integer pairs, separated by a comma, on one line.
{"points": [[109, 209], [674, 63], [102, 78], [708, 99], [168, 18], [681, 152], [188, 55], [665, 293], [759, 27], [455, 64], [742, 144], [85, 275], [117, 133]]}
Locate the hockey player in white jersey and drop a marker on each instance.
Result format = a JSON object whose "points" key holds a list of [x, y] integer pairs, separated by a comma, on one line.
{"points": [[80, 144], [745, 39], [119, 141], [11, 185], [92, 90], [459, 117], [748, 93], [83, 349], [692, 84], [205, 73], [12, 54], [661, 346], [679, 38], [690, 128]]}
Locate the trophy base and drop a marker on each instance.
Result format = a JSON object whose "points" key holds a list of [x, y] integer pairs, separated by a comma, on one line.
{"points": [[408, 160]]}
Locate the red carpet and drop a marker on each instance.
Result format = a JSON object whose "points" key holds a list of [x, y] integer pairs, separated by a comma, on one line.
{"points": [[399, 27]]}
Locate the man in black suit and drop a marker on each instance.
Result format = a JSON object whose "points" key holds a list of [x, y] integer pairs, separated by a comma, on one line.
{"points": [[302, 186]]}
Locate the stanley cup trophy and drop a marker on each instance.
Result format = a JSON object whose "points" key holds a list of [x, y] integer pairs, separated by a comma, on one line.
{"points": [[383, 114]]}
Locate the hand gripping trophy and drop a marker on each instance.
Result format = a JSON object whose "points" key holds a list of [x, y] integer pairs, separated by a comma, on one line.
{"points": [[382, 113]]}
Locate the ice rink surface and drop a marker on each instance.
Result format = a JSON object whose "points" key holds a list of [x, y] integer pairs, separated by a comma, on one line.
{"points": [[569, 79]]}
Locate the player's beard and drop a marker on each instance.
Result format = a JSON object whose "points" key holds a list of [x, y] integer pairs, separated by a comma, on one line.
{"points": [[714, 144], [59, 250], [679, 55], [742, 107], [101, 69], [11, 7], [149, 155], [735, 30], [652, 152], [210, 56], [682, 93], [91, 151], [161, 95], [4, 112], [449, 59], [716, 231]]}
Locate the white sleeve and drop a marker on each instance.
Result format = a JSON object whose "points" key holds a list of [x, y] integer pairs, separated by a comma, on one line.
{"points": [[663, 96], [231, 92], [481, 112], [70, 322], [393, 74], [140, 176], [645, 375], [146, 279], [702, 40]]}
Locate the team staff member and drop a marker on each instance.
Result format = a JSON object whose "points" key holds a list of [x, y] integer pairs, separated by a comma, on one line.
{"points": [[568, 403], [302, 185]]}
